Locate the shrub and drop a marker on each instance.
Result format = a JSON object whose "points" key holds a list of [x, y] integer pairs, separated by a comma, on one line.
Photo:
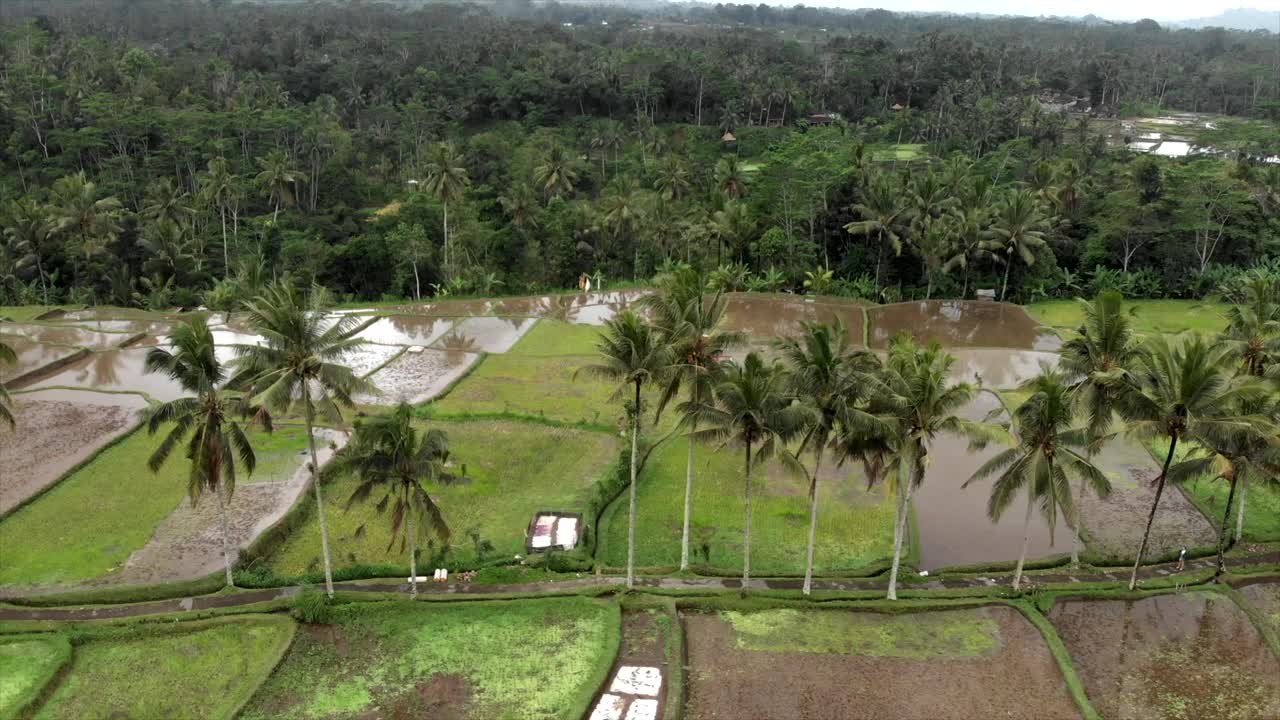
{"points": [[311, 606]]}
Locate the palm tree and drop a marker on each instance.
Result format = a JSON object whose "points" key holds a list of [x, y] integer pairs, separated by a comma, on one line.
{"points": [[1020, 225], [447, 179], [919, 403], [1047, 455], [30, 230], [882, 209], [217, 188], [166, 201], [217, 441], [829, 378], [300, 364], [277, 179], [521, 205], [557, 174], [969, 242], [690, 326], [731, 178], [673, 179], [79, 212], [1098, 358], [633, 354], [753, 409], [734, 226], [387, 453], [8, 357], [622, 209], [1184, 390]]}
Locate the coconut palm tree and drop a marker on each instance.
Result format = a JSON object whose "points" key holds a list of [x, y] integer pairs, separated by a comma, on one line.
{"points": [[882, 209], [557, 173], [217, 189], [31, 235], [217, 441], [8, 357], [166, 201], [673, 180], [731, 178], [632, 354], [690, 326], [446, 178], [827, 376], [919, 404], [299, 365], [277, 179], [753, 409], [1097, 358], [79, 213], [1019, 229], [1048, 452], [389, 455], [1183, 390]]}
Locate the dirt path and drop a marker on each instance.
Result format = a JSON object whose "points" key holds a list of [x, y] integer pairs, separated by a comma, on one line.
{"points": [[637, 685]]}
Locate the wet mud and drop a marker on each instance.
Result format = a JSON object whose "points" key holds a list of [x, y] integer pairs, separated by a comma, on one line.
{"points": [[418, 376]]}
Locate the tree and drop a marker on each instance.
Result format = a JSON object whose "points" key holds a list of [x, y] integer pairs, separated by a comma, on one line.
{"points": [[882, 210], [8, 357], [730, 177], [277, 179], [1020, 226], [80, 213], [217, 441], [389, 455], [410, 241], [673, 179], [690, 326], [753, 409], [447, 180], [827, 377], [557, 173], [918, 403], [1047, 454], [30, 231], [632, 354], [1182, 390], [218, 189], [1097, 358], [299, 364], [166, 201]]}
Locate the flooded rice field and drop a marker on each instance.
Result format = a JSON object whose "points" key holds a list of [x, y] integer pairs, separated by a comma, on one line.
{"points": [[1114, 526], [127, 327], [405, 330], [529, 306], [999, 368], [484, 334], [1190, 655], [114, 370], [960, 323], [766, 317], [368, 358], [841, 664], [418, 376], [1265, 597], [31, 356], [65, 335], [59, 429]]}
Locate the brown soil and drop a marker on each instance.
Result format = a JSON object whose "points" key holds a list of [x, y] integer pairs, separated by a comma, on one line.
{"points": [[961, 323], [1019, 680], [420, 376], [58, 429], [1187, 656], [1266, 598]]}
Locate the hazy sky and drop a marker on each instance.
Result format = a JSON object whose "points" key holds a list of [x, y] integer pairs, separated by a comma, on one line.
{"points": [[1111, 9]]}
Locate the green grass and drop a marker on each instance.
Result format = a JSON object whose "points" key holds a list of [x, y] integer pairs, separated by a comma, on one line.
{"points": [[208, 672], [557, 337], [1150, 317], [538, 386], [950, 633], [22, 313], [855, 529], [1261, 508], [515, 468], [91, 521], [905, 151], [531, 659], [26, 665]]}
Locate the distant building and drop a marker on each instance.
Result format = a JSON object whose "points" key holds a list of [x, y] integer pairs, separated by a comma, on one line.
{"points": [[896, 107], [729, 140], [1052, 101], [823, 118]]}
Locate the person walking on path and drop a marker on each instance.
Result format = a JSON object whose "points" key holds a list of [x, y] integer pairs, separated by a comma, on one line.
{"points": [[1182, 559]]}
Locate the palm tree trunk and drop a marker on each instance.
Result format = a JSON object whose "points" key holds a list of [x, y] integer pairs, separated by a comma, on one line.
{"points": [[1146, 534], [315, 482], [631, 512], [1075, 531], [899, 533], [688, 492], [746, 528], [813, 519], [446, 239], [1224, 533], [226, 535], [417, 283], [413, 556], [1026, 540], [1005, 288], [1244, 490], [226, 262], [879, 259]]}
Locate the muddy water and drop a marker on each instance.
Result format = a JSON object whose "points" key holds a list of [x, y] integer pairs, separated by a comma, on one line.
{"points": [[530, 306], [115, 370], [406, 330], [231, 337], [961, 323], [368, 358], [487, 334], [766, 317], [418, 376], [998, 367], [953, 522], [127, 327], [1189, 655], [64, 335], [31, 356]]}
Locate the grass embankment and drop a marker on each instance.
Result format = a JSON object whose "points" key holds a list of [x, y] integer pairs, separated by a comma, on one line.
{"points": [[532, 659], [557, 337], [956, 633], [855, 528], [23, 313], [515, 469], [26, 666], [91, 521], [1150, 317], [1261, 507], [533, 386], [207, 670]]}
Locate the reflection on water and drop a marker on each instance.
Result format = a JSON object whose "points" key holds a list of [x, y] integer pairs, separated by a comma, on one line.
{"points": [[998, 367], [405, 330], [766, 317], [231, 337], [487, 334], [418, 376], [530, 306], [31, 356], [64, 335], [115, 370], [965, 323]]}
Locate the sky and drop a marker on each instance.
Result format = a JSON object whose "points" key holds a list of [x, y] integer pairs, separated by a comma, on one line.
{"points": [[1110, 9]]}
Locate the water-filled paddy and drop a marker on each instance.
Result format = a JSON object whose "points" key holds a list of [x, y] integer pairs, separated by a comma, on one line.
{"points": [[1190, 655], [1265, 597], [31, 356], [766, 317], [999, 367], [418, 376], [115, 370], [960, 323], [405, 330], [484, 334], [65, 335]]}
